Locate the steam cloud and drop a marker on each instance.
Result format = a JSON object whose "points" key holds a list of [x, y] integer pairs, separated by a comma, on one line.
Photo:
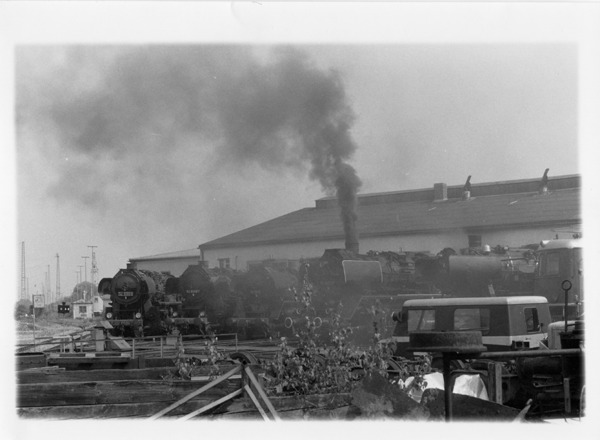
{"points": [[142, 116]]}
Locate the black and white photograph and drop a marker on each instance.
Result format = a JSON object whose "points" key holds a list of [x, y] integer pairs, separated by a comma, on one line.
{"points": [[335, 214]]}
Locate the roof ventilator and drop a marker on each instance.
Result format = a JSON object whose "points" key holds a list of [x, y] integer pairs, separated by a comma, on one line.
{"points": [[466, 195], [543, 189], [440, 192]]}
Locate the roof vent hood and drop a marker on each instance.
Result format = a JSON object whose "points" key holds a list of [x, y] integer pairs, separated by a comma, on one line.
{"points": [[440, 192]]}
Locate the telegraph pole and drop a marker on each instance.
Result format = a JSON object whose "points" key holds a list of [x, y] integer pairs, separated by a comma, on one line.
{"points": [[94, 269], [85, 273], [85, 263], [48, 290], [57, 277], [76, 283], [23, 277], [79, 284]]}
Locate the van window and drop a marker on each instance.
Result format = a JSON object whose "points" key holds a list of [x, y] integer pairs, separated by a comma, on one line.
{"points": [[419, 320], [472, 319], [531, 320]]}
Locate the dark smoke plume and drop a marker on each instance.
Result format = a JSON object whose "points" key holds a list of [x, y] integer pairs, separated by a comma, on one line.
{"points": [[137, 117]]}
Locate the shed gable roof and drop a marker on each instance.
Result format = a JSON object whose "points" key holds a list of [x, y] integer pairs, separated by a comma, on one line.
{"points": [[177, 255], [496, 205]]}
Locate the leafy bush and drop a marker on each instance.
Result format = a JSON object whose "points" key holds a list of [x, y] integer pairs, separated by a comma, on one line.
{"points": [[188, 367], [311, 367]]}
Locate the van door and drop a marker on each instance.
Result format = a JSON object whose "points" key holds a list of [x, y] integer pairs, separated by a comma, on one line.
{"points": [[527, 325]]}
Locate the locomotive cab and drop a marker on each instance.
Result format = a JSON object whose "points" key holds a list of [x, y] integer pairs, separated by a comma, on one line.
{"points": [[560, 260]]}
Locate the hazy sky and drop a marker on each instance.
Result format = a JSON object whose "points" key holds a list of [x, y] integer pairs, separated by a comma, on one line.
{"points": [[142, 149]]}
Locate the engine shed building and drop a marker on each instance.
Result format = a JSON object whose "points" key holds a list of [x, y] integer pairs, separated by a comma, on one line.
{"points": [[509, 213]]}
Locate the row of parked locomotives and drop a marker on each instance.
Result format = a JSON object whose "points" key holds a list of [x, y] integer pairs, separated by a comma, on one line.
{"points": [[370, 287], [359, 291], [249, 303]]}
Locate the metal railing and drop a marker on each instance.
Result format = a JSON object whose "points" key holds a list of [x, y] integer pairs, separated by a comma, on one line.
{"points": [[80, 341]]}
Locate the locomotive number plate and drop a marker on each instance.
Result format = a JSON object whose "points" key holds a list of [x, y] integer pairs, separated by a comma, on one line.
{"points": [[125, 294]]}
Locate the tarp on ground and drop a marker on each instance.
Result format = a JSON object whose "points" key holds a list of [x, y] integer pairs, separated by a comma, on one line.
{"points": [[467, 384]]}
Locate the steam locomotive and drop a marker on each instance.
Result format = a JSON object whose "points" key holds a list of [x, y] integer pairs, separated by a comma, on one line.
{"points": [[139, 301], [537, 270]]}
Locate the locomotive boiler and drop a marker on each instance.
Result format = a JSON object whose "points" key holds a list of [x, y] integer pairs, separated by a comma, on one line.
{"points": [[266, 296], [205, 301], [359, 291], [264, 290]]}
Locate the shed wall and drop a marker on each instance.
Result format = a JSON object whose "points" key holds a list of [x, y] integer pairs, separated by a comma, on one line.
{"points": [[174, 266], [239, 256]]}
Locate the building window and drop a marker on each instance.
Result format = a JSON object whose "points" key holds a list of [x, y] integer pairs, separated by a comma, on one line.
{"points": [[474, 241], [531, 320], [224, 263], [83, 309]]}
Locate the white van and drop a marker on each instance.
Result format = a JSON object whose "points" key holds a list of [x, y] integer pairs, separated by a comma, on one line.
{"points": [[506, 323]]}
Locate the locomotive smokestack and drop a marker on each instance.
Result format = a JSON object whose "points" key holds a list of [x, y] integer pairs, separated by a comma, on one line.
{"points": [[352, 239], [347, 185]]}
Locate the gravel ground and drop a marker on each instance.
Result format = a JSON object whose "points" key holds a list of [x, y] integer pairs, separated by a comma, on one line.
{"points": [[48, 327]]}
